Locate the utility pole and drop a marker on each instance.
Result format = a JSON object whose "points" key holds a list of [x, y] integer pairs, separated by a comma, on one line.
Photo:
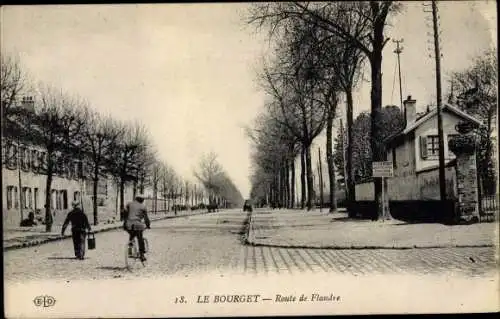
{"points": [[346, 188], [437, 56], [398, 51]]}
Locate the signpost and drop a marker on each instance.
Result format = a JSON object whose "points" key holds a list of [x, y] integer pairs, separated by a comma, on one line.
{"points": [[382, 170]]}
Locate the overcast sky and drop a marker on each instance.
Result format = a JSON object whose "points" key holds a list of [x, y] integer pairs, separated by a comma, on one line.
{"points": [[187, 71]]}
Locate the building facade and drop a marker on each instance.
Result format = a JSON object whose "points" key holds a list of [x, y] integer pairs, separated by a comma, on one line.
{"points": [[414, 154]]}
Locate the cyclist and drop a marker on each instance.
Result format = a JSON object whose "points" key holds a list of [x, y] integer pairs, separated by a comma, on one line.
{"points": [[134, 213]]}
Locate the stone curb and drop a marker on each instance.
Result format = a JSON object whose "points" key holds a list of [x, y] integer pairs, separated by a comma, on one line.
{"points": [[250, 241], [38, 242], [354, 247]]}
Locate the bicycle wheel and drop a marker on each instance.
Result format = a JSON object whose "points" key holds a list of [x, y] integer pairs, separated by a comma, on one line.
{"points": [[131, 255], [146, 250]]}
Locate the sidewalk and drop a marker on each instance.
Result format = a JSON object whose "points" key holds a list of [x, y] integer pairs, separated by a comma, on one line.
{"points": [[302, 229], [19, 237]]}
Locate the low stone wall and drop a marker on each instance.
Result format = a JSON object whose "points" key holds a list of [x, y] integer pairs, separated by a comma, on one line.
{"points": [[422, 186], [412, 211]]}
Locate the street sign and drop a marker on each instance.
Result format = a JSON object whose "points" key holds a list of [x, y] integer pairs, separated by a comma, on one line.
{"points": [[382, 169]]}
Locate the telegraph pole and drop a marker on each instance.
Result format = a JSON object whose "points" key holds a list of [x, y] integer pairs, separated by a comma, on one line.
{"points": [[344, 168], [398, 51], [437, 56]]}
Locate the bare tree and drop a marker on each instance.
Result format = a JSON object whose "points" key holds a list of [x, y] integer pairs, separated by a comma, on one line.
{"points": [[294, 84], [155, 180], [369, 20], [57, 126], [127, 157], [100, 137], [218, 184], [167, 183], [208, 170], [274, 151], [13, 82]]}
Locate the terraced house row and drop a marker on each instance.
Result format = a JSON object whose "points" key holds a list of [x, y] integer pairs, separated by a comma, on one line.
{"points": [[24, 181]]}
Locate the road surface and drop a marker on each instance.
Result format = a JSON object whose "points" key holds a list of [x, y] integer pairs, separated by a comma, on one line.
{"points": [[212, 243]]}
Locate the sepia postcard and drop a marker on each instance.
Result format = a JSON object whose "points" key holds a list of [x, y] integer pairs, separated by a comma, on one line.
{"points": [[249, 159]]}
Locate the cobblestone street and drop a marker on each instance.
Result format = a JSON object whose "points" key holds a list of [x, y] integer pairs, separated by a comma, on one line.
{"points": [[465, 261], [212, 243]]}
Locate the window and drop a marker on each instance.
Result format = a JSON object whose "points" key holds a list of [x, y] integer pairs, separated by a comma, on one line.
{"points": [[76, 174], [5, 150], [10, 196], [12, 156], [53, 199], [16, 198], [60, 165], [25, 158], [35, 195], [429, 146], [35, 160], [432, 145], [450, 136], [76, 196], [64, 195], [42, 162], [26, 197]]}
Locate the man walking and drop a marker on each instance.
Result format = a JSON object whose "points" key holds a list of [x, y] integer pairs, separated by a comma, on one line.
{"points": [[79, 225]]}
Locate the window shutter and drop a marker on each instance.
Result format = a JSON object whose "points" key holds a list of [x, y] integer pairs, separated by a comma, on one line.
{"points": [[423, 147]]}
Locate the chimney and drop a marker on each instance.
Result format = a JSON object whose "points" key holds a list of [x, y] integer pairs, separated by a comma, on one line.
{"points": [[410, 110], [28, 103]]}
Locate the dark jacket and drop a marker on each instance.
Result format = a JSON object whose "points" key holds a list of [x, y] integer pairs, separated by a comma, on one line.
{"points": [[78, 219]]}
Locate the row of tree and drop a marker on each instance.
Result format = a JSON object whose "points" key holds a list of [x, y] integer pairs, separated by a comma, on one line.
{"points": [[319, 51], [220, 187], [65, 127]]}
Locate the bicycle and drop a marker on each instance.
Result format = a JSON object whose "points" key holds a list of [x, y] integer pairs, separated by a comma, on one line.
{"points": [[132, 255]]}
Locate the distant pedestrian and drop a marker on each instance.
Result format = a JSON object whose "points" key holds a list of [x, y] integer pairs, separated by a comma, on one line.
{"points": [[30, 221], [79, 225]]}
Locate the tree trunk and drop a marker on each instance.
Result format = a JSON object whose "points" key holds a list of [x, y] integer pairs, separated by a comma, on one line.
{"points": [[141, 185], [329, 159], [155, 196], [122, 197], [310, 188], [134, 188], [117, 195], [292, 184], [286, 185], [351, 189], [320, 181], [48, 194], [376, 108], [303, 177], [94, 194]]}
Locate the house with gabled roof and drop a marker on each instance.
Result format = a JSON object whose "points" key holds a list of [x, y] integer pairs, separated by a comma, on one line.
{"points": [[416, 148], [414, 152], [414, 190]]}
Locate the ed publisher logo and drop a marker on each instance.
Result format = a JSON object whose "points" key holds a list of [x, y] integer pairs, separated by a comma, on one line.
{"points": [[44, 301]]}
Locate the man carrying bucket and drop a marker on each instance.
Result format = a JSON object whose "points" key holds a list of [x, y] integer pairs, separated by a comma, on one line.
{"points": [[79, 225]]}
